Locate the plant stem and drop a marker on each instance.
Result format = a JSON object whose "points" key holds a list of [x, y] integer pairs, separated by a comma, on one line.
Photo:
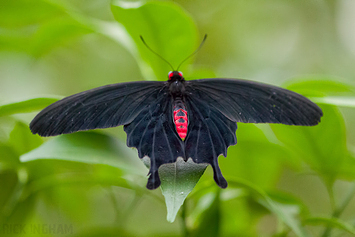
{"points": [[345, 202], [339, 210], [186, 232], [330, 190]]}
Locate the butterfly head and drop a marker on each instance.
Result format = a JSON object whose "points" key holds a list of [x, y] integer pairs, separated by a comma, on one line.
{"points": [[175, 76]]}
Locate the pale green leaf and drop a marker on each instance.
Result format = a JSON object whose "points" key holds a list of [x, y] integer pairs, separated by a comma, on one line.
{"points": [[341, 101], [87, 147], [26, 106], [177, 181]]}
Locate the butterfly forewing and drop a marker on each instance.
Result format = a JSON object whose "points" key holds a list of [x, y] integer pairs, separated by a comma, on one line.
{"points": [[102, 107], [253, 102]]}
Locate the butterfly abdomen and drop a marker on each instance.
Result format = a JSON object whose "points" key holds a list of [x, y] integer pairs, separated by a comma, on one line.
{"points": [[180, 118]]}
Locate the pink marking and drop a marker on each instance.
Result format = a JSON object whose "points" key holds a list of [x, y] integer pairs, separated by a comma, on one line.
{"points": [[181, 122]]}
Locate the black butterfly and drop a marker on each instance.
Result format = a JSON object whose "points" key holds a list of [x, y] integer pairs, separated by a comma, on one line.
{"points": [[177, 118]]}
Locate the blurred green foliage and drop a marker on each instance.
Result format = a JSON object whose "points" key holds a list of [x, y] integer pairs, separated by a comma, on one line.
{"points": [[283, 180]]}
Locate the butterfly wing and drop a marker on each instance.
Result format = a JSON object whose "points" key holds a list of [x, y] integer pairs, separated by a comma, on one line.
{"points": [[103, 107], [153, 133], [215, 105], [253, 102], [145, 108], [210, 134]]}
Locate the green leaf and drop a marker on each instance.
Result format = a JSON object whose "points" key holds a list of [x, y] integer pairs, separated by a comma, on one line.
{"points": [[165, 27], [341, 101], [26, 106], [22, 140], [334, 222], [284, 212], [22, 13], [103, 231], [177, 181], [261, 166], [323, 147], [87, 147], [55, 33], [8, 182], [324, 86], [38, 27], [9, 158], [18, 211], [209, 225], [326, 91]]}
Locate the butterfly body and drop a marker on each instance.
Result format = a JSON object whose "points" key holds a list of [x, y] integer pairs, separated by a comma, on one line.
{"points": [[177, 90], [190, 119], [180, 118]]}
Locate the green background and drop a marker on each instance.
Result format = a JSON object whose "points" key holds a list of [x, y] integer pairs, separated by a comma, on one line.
{"points": [[283, 180]]}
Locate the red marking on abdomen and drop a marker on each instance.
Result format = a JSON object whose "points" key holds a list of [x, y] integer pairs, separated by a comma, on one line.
{"points": [[180, 121]]}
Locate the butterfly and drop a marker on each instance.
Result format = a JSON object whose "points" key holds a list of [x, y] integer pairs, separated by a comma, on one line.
{"points": [[165, 120]]}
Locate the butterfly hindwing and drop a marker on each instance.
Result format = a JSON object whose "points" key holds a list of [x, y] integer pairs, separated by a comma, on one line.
{"points": [[253, 102], [153, 133], [210, 133], [106, 106]]}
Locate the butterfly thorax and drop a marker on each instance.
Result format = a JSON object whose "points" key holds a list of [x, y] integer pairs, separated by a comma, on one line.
{"points": [[176, 83]]}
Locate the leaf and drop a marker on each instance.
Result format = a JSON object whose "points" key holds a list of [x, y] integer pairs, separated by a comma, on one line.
{"points": [[26, 106], [261, 166], [285, 213], [22, 140], [8, 181], [21, 13], [334, 222], [324, 86], [323, 147], [340, 101], [87, 147], [55, 33], [326, 92], [38, 27], [103, 231], [18, 211], [177, 181], [9, 158], [210, 222], [165, 27]]}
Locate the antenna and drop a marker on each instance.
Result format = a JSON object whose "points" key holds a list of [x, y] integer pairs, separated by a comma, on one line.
{"points": [[146, 45], [199, 47]]}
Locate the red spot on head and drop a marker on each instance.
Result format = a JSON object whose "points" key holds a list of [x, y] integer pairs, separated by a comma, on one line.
{"points": [[170, 75]]}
